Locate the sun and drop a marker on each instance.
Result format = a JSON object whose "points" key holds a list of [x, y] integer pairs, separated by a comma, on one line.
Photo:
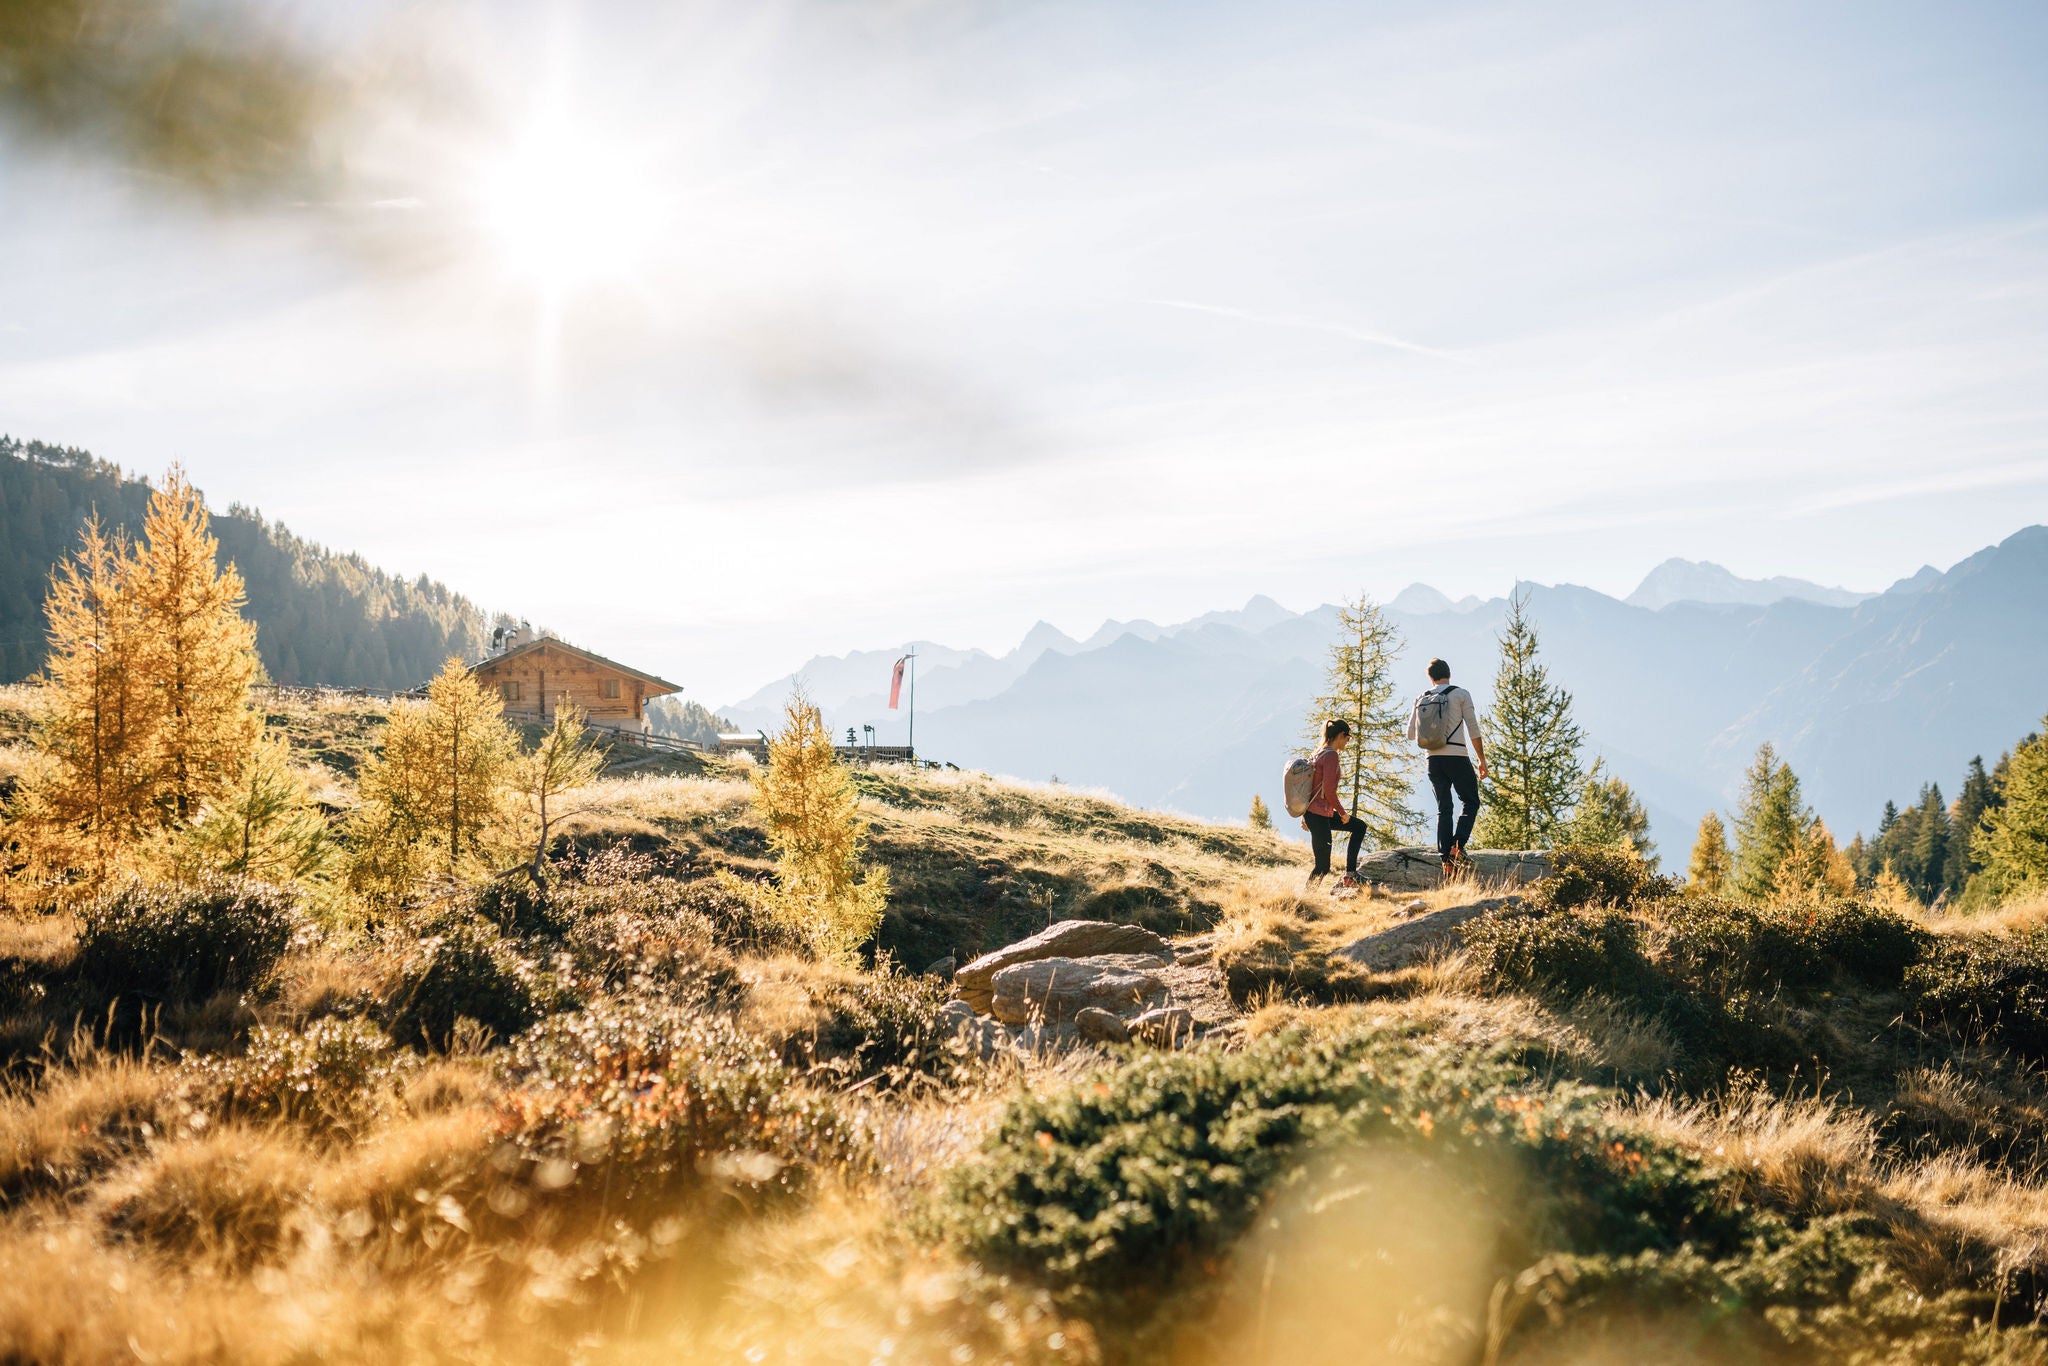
{"points": [[564, 207]]}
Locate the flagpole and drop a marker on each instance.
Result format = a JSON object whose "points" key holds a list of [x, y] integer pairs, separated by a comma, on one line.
{"points": [[913, 706]]}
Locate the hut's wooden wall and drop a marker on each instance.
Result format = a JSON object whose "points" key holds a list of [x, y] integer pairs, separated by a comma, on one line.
{"points": [[542, 678]]}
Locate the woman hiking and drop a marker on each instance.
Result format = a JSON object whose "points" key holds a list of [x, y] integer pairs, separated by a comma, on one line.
{"points": [[1326, 814]]}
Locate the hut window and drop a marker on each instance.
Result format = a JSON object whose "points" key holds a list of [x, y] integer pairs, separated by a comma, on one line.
{"points": [[510, 689], [611, 687]]}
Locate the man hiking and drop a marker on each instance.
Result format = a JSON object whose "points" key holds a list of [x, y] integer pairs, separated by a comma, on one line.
{"points": [[1446, 725], [1326, 815]]}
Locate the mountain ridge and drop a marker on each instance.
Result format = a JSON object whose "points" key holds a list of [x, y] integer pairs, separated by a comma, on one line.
{"points": [[1676, 698]]}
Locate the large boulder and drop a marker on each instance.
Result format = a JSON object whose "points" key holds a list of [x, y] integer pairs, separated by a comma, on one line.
{"points": [[1421, 938], [1058, 989], [1064, 939], [1422, 870]]}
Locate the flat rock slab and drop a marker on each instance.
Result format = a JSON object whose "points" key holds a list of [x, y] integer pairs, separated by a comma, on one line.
{"points": [[1063, 939], [1058, 989], [1422, 870], [1405, 945]]}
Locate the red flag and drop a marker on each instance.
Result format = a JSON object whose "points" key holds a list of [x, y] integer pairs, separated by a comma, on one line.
{"points": [[896, 684]]}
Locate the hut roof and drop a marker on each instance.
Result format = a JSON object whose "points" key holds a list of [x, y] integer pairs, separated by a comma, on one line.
{"points": [[656, 686]]}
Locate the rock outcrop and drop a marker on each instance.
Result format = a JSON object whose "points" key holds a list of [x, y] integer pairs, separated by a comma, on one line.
{"points": [[1056, 989], [1064, 939], [1421, 870], [1411, 943], [1087, 981]]}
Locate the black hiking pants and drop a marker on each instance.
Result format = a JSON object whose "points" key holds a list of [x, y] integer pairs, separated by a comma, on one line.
{"points": [[1450, 773], [1320, 831]]}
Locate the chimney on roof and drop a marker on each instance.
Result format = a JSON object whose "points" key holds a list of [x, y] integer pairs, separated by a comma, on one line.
{"points": [[506, 638]]}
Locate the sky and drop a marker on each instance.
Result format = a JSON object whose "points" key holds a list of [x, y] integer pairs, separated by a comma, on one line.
{"points": [[715, 336]]}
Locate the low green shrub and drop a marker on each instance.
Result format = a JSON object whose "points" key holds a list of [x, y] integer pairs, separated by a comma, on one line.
{"points": [[517, 907], [884, 1025], [469, 971], [1728, 977], [647, 1101], [333, 1076], [1993, 987], [1126, 1193], [1724, 946], [1598, 875], [1567, 954], [185, 941]]}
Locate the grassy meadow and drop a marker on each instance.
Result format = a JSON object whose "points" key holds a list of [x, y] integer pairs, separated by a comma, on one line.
{"points": [[631, 1122]]}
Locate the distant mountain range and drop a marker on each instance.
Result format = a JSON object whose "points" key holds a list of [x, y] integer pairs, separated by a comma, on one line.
{"points": [[1698, 581], [1867, 695]]}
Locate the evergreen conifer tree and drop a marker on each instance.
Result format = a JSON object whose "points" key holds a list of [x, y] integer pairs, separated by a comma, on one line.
{"points": [[2013, 840], [1532, 746], [1769, 823], [1379, 764], [198, 653], [1710, 863], [1608, 813], [1932, 836], [806, 798], [1971, 803]]}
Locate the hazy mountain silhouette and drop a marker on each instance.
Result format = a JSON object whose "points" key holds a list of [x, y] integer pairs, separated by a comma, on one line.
{"points": [[1700, 581], [1867, 699]]}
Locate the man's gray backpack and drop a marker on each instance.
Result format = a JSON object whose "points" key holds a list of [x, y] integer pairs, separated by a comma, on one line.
{"points": [[1435, 720], [1296, 784]]}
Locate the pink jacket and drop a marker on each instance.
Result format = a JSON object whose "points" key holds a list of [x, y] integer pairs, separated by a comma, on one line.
{"points": [[1329, 779]]}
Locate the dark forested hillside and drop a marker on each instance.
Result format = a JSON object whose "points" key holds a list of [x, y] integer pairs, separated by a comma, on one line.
{"points": [[686, 720], [321, 617]]}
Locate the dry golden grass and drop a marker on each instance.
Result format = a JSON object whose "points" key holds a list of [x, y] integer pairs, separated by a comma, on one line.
{"points": [[78, 1122], [2014, 917], [233, 1196], [1951, 1218]]}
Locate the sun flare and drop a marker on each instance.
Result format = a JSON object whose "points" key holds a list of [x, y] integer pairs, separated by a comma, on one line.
{"points": [[563, 207]]}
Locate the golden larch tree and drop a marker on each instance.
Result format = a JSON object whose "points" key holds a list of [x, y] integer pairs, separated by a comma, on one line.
{"points": [[806, 798], [1814, 867], [436, 799], [1378, 767], [89, 807], [197, 651], [267, 826], [1710, 858], [565, 760]]}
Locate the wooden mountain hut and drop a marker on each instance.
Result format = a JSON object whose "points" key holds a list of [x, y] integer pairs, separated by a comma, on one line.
{"points": [[534, 677]]}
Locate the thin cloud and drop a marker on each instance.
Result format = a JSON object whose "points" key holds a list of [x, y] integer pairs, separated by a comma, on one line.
{"points": [[1362, 335], [2022, 474]]}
